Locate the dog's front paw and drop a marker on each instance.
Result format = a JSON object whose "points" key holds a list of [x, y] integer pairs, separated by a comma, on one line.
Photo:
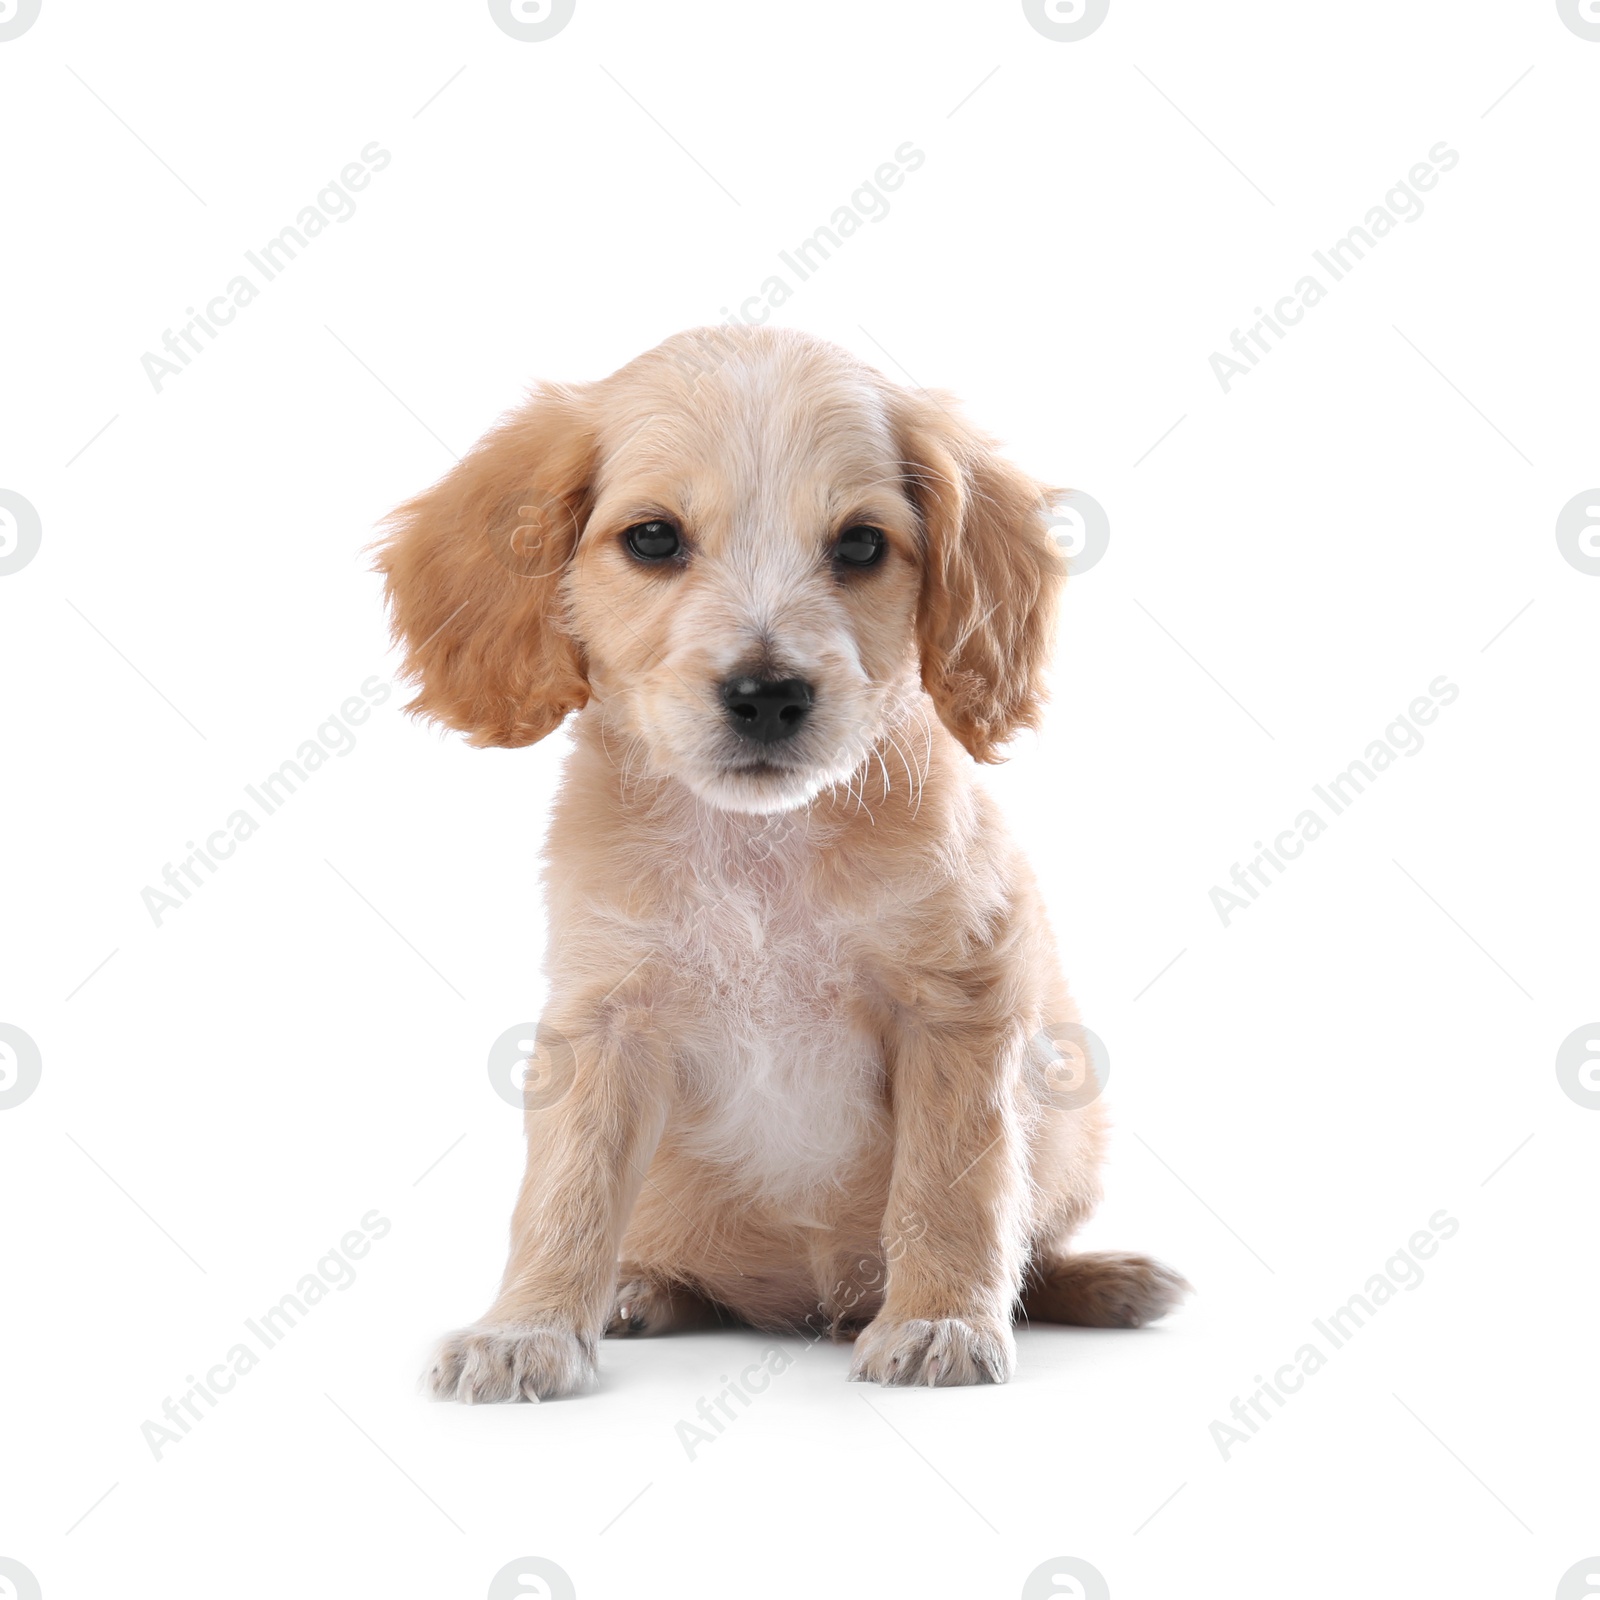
{"points": [[509, 1361], [941, 1353]]}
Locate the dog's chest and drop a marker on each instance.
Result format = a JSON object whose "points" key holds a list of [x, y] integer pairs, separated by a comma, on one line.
{"points": [[782, 1084]]}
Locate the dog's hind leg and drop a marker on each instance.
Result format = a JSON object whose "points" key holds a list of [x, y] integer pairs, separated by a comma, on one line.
{"points": [[649, 1303], [1100, 1289]]}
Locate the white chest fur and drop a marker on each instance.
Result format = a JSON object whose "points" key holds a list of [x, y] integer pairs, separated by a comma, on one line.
{"points": [[781, 1084]]}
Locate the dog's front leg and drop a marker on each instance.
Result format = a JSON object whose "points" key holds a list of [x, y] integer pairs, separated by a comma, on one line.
{"points": [[593, 1122], [955, 1234]]}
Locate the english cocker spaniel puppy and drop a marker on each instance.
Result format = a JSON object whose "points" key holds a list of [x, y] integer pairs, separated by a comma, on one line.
{"points": [[808, 1060]]}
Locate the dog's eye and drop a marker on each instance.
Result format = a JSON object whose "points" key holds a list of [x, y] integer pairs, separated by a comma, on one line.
{"points": [[859, 547], [653, 541]]}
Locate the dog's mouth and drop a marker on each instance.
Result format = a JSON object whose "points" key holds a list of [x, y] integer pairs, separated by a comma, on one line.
{"points": [[757, 783], [760, 769]]}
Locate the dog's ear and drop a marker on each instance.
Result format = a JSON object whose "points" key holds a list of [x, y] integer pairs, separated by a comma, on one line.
{"points": [[474, 569], [990, 576]]}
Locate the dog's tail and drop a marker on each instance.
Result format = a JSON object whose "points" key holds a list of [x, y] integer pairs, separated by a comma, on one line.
{"points": [[1101, 1289]]}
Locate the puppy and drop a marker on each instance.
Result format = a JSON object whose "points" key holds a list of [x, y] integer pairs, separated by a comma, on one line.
{"points": [[808, 1059]]}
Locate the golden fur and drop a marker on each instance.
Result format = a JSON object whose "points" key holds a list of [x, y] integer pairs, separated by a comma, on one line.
{"points": [[803, 1018]]}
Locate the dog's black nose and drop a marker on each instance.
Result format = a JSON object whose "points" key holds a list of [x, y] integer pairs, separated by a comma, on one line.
{"points": [[766, 709]]}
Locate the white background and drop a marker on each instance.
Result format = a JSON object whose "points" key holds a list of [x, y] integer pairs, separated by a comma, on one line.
{"points": [[225, 1095]]}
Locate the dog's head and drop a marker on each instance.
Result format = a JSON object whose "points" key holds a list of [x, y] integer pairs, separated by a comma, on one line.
{"points": [[748, 548]]}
